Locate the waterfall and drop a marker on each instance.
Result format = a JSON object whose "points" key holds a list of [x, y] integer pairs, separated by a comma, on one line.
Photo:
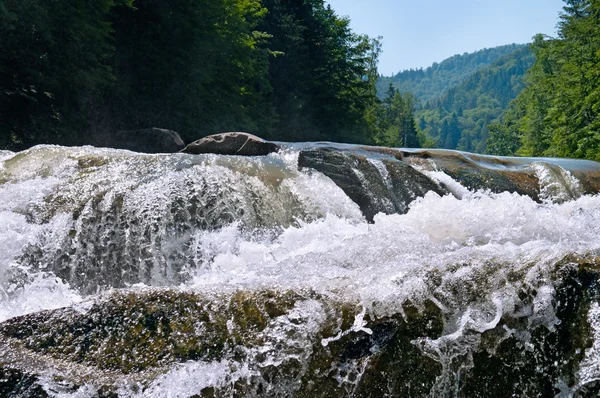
{"points": [[320, 270]]}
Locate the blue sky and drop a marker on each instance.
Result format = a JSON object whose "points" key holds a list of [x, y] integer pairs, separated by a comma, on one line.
{"points": [[417, 33]]}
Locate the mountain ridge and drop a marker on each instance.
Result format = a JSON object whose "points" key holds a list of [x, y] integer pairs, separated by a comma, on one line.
{"points": [[432, 82]]}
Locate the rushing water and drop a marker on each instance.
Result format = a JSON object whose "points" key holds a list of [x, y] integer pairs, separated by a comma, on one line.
{"points": [[76, 223]]}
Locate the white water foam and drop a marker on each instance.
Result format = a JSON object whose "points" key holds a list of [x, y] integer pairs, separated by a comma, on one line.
{"points": [[437, 233], [462, 255], [429, 168], [556, 183], [590, 366]]}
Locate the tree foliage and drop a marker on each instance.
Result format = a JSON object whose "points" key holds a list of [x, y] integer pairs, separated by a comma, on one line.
{"points": [[558, 113], [460, 119], [323, 76], [194, 66], [396, 121], [54, 66], [283, 69]]}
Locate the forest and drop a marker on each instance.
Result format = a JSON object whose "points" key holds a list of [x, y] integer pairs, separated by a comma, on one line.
{"points": [[430, 83], [72, 72], [459, 119], [558, 112]]}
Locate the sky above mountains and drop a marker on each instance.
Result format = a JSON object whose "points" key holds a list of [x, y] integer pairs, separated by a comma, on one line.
{"points": [[418, 33]]}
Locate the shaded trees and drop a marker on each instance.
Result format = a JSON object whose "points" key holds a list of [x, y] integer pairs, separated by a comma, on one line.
{"points": [[54, 67], [323, 74], [195, 66], [284, 69]]}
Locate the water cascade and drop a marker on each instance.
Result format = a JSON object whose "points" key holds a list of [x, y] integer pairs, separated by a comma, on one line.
{"points": [[321, 270]]}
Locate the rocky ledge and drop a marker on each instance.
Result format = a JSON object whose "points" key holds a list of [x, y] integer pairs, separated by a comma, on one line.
{"points": [[387, 180], [304, 344]]}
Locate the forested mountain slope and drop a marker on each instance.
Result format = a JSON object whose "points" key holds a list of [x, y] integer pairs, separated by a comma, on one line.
{"points": [[430, 83], [460, 118]]}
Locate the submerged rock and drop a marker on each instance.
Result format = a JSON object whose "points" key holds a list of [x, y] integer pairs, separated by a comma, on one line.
{"points": [[496, 177], [241, 144], [376, 185], [387, 180], [16, 383], [152, 140], [288, 341], [304, 344]]}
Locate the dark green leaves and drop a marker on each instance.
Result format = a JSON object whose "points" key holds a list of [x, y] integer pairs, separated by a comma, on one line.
{"points": [[72, 72]]}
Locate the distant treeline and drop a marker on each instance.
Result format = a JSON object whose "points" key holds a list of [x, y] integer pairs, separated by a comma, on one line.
{"points": [[457, 99], [282, 69], [428, 84], [558, 113]]}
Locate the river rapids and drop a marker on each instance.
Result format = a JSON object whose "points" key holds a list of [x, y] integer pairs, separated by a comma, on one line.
{"points": [[176, 275]]}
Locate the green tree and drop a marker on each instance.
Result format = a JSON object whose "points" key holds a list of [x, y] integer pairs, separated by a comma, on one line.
{"points": [[433, 82], [477, 102], [558, 114], [195, 66], [283, 69], [323, 78], [397, 126], [54, 69], [502, 141]]}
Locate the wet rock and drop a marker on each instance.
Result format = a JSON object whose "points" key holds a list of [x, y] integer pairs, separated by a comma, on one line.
{"points": [[127, 333], [138, 335], [152, 140], [538, 361], [16, 383], [387, 180], [241, 144], [304, 345], [498, 177], [384, 185], [132, 332]]}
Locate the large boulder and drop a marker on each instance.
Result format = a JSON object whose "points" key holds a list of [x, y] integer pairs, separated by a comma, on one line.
{"points": [[241, 144]]}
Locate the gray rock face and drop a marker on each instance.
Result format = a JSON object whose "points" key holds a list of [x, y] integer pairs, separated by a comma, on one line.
{"points": [[376, 185], [242, 144], [152, 140], [387, 180], [136, 336]]}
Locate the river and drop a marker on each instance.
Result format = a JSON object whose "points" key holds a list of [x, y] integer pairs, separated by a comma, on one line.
{"points": [[466, 293]]}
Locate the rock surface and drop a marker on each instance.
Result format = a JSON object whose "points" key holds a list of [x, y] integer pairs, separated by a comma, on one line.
{"points": [[387, 180], [241, 144], [384, 185], [475, 177], [136, 335]]}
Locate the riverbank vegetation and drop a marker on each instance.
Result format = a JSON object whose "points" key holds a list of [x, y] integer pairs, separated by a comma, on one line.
{"points": [[558, 112], [290, 70], [283, 69]]}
